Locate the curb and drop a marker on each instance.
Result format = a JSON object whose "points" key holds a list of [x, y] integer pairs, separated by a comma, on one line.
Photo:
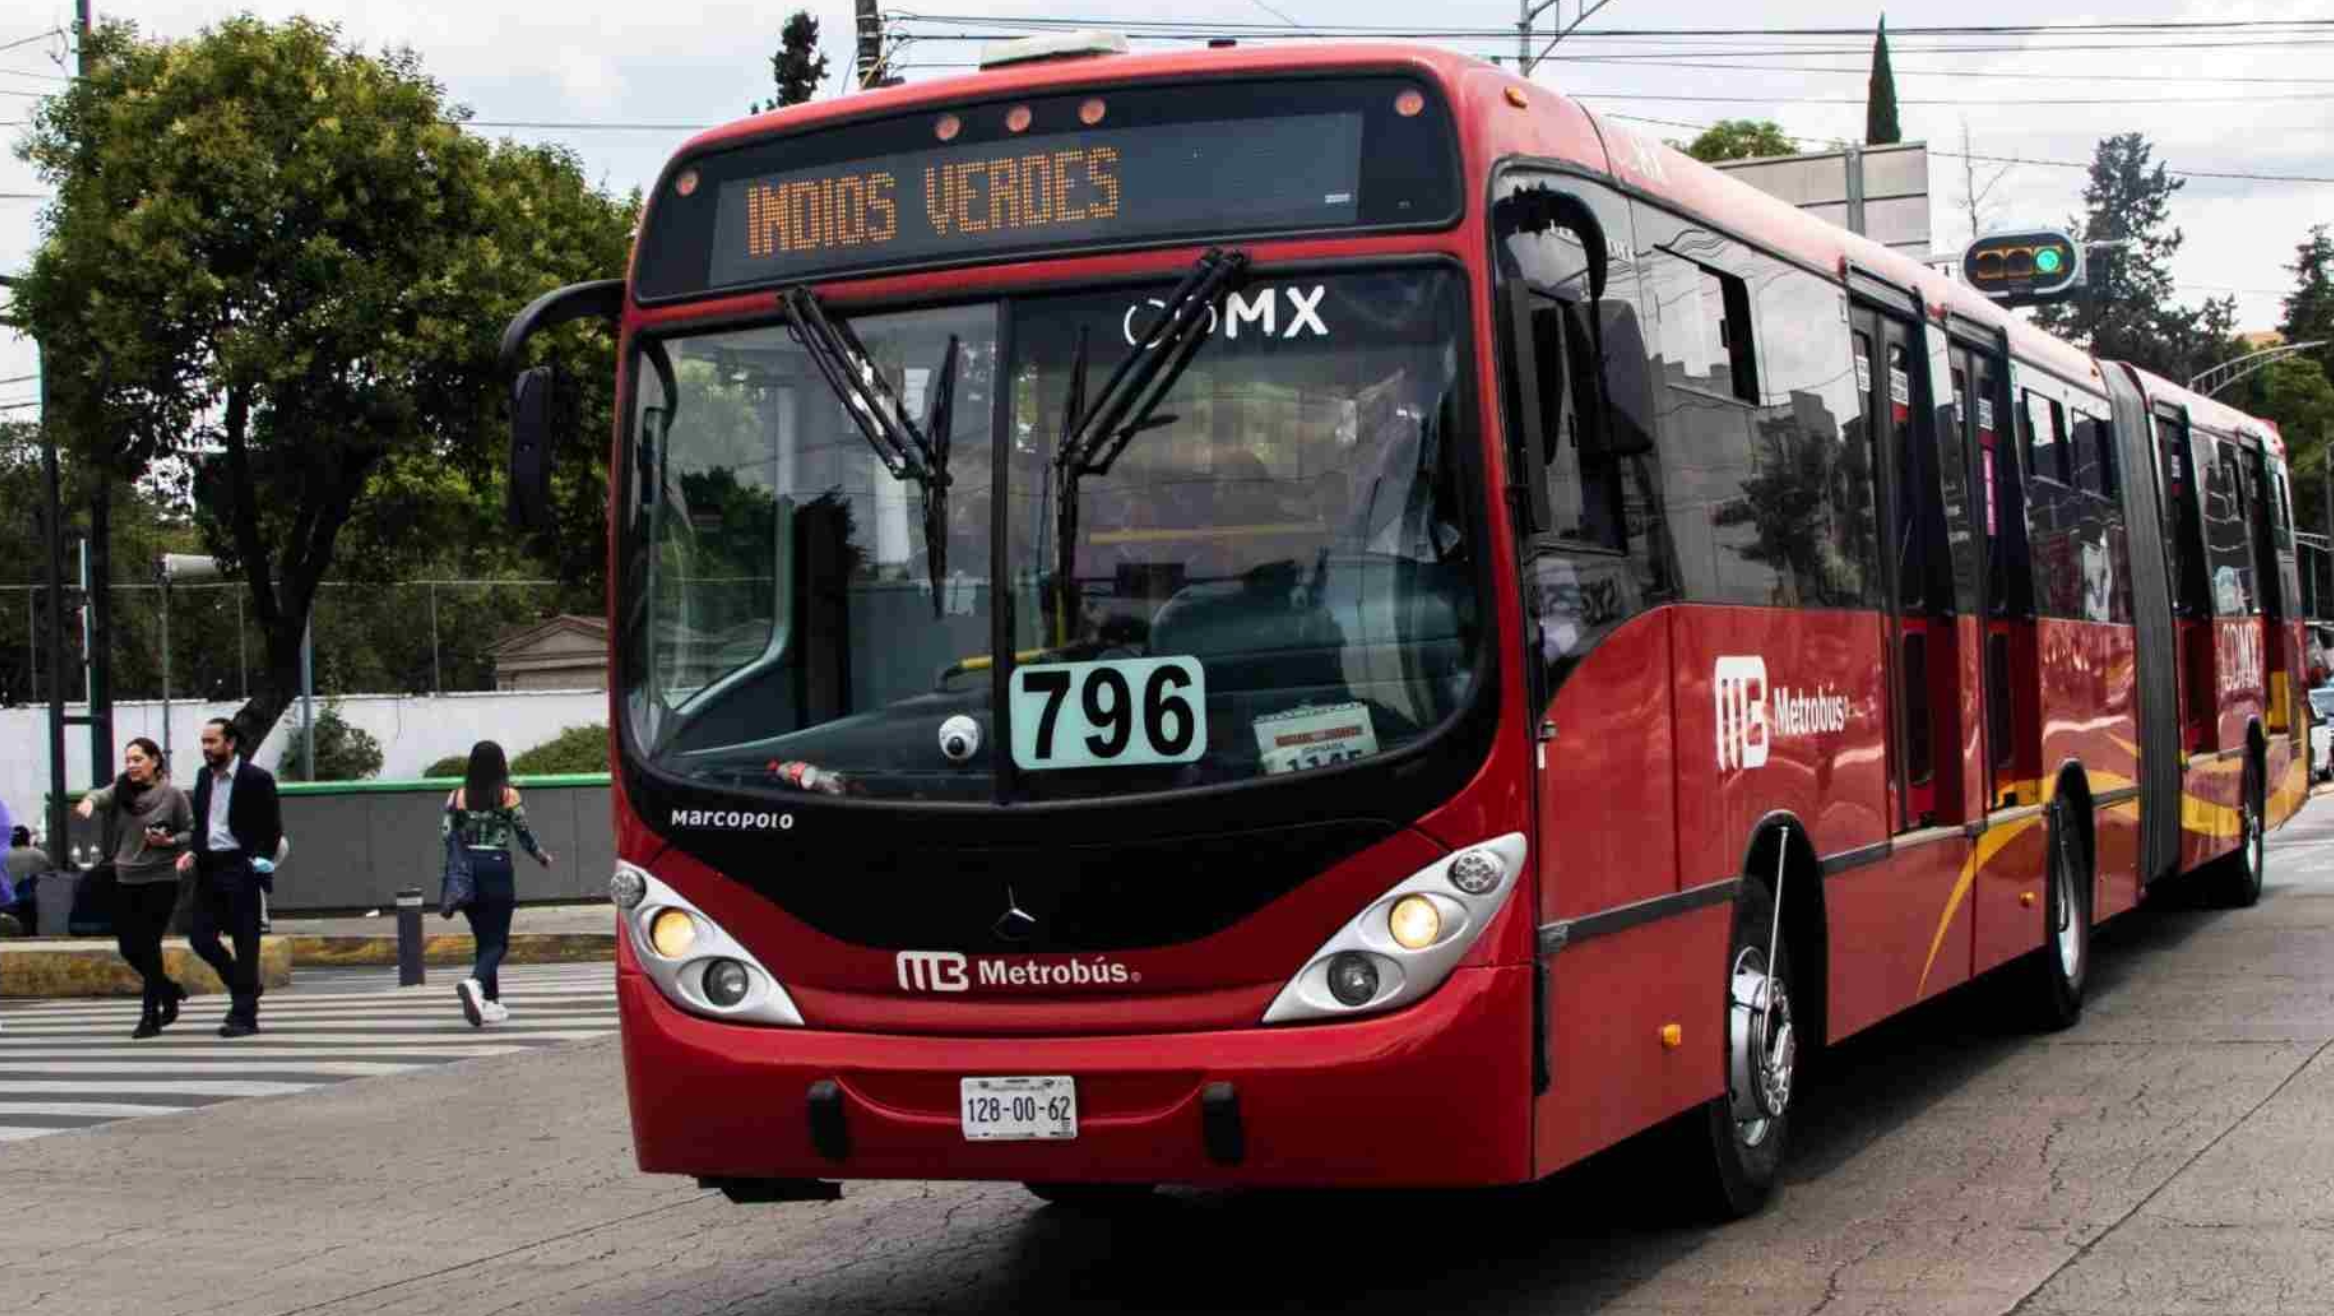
{"points": [[454, 949], [95, 968]]}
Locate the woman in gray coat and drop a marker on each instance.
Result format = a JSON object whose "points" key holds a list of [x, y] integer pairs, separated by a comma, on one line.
{"points": [[151, 823]]}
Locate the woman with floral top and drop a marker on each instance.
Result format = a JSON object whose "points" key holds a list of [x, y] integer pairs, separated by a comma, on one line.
{"points": [[486, 813]]}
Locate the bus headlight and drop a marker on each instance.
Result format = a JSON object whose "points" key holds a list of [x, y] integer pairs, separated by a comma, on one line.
{"points": [[671, 933], [1414, 923], [628, 887], [1407, 941], [694, 961]]}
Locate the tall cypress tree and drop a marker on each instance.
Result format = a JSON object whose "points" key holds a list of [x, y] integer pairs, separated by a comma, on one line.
{"points": [[1880, 126], [799, 66]]}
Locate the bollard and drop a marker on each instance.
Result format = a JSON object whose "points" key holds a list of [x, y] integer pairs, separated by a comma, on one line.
{"points": [[409, 937]]}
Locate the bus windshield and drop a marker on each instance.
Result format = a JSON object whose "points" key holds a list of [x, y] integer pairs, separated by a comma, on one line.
{"points": [[1288, 536]]}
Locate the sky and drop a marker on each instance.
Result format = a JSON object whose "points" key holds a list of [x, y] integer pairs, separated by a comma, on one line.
{"points": [[643, 75]]}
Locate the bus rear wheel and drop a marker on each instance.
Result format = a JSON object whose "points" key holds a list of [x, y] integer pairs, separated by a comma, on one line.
{"points": [[1734, 1144], [1095, 1197], [2237, 879], [2056, 972]]}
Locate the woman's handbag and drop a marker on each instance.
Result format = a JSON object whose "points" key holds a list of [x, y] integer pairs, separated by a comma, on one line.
{"points": [[457, 887]]}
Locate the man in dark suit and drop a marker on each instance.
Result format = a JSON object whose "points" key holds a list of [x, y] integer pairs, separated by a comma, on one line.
{"points": [[236, 821]]}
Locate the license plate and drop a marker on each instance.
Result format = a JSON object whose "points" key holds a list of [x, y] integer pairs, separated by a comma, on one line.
{"points": [[1019, 1109]]}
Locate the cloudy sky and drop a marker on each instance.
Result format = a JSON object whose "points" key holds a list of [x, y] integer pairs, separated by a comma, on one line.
{"points": [[624, 81]]}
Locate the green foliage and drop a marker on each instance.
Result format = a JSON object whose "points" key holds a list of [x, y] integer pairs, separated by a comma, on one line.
{"points": [[2296, 395], [2309, 308], [282, 259], [452, 765], [1740, 139], [1880, 125], [2128, 313], [343, 752], [798, 68], [576, 749]]}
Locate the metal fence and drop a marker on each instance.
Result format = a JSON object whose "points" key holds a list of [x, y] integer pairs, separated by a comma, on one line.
{"points": [[410, 637]]}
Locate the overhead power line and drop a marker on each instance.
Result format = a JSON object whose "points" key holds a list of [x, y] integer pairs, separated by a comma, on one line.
{"points": [[1976, 104], [1994, 29], [2020, 159], [38, 36]]}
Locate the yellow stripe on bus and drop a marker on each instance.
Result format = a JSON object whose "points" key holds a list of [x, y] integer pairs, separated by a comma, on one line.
{"points": [[1988, 845]]}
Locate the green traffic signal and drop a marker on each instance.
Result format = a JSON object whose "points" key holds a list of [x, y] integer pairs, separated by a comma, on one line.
{"points": [[2047, 261]]}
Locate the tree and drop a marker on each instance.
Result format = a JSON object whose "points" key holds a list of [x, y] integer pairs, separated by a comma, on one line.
{"points": [[2309, 308], [1739, 139], [798, 68], [343, 752], [283, 260], [1880, 126], [2296, 395], [2127, 313]]}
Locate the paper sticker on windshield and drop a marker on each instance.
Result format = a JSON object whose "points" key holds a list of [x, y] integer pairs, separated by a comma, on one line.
{"points": [[1127, 713], [1900, 387], [1315, 737]]}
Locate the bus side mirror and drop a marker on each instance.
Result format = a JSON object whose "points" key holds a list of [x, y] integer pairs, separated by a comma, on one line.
{"points": [[533, 438]]}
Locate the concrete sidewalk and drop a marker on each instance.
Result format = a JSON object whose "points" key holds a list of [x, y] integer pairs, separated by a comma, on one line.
{"points": [[590, 916], [540, 934]]}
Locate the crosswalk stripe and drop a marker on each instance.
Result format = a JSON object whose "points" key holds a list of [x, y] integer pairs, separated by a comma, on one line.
{"points": [[193, 1087], [192, 1067], [71, 1064], [119, 1110]]}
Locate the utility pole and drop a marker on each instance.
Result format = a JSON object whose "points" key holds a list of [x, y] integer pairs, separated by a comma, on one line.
{"points": [[1527, 12], [53, 524], [98, 587], [867, 16]]}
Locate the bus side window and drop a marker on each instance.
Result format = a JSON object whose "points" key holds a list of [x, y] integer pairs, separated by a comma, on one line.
{"points": [[2046, 449], [2089, 448]]}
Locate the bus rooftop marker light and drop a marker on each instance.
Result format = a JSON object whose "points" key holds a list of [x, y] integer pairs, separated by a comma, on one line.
{"points": [[1017, 119], [1091, 110], [946, 127]]}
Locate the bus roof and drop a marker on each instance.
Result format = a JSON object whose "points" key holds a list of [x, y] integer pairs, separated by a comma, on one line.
{"points": [[1503, 116]]}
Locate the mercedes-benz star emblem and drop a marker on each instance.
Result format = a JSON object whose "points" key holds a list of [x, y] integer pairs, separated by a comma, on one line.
{"points": [[1016, 923]]}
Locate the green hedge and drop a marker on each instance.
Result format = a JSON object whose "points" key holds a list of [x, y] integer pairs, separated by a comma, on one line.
{"points": [[576, 749]]}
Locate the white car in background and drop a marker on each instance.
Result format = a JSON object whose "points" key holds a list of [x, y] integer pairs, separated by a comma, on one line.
{"points": [[2322, 733]]}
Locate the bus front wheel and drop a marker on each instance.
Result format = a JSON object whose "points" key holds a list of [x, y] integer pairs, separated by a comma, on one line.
{"points": [[1737, 1140], [2238, 878]]}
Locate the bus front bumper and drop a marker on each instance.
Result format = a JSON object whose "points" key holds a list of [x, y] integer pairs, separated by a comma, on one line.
{"points": [[1435, 1094]]}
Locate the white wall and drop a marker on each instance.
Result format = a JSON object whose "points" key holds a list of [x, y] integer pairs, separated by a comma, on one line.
{"points": [[414, 731]]}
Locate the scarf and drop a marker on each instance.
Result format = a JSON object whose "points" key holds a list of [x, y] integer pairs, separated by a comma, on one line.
{"points": [[127, 793]]}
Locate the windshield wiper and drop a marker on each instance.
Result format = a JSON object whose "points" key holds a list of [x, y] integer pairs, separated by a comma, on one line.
{"points": [[907, 451], [1093, 438]]}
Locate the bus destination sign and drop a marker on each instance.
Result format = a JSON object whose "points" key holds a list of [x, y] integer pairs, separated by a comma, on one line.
{"points": [[1153, 182]]}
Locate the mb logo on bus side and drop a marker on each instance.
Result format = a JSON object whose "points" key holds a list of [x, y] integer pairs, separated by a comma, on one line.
{"points": [[1750, 714]]}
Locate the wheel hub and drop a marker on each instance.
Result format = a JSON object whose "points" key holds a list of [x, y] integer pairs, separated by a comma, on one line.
{"points": [[1763, 1047]]}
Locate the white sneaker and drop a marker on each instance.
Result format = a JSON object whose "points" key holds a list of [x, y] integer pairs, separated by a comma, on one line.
{"points": [[473, 999], [494, 1011]]}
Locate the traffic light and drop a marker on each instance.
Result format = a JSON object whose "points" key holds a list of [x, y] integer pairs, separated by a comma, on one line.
{"points": [[2024, 269], [869, 24]]}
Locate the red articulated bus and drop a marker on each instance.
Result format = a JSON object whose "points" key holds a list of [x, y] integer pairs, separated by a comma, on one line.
{"points": [[1166, 608]]}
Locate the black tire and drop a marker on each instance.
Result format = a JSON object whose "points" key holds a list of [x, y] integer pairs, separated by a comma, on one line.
{"points": [[1733, 1161], [2236, 878], [2056, 972], [1095, 1197]]}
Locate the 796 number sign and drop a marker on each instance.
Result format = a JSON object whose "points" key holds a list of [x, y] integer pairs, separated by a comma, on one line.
{"points": [[1128, 712]]}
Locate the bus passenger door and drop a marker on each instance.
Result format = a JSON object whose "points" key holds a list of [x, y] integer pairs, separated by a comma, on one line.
{"points": [[1979, 382], [2191, 605], [1923, 752]]}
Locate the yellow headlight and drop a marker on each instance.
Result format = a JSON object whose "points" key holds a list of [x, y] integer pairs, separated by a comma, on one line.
{"points": [[1414, 922], [672, 933]]}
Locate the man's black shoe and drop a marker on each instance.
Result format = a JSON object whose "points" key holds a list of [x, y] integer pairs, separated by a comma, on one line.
{"points": [[169, 1013], [237, 1028], [148, 1026]]}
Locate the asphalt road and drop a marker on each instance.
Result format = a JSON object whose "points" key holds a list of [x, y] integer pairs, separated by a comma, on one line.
{"points": [[2172, 1153]]}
